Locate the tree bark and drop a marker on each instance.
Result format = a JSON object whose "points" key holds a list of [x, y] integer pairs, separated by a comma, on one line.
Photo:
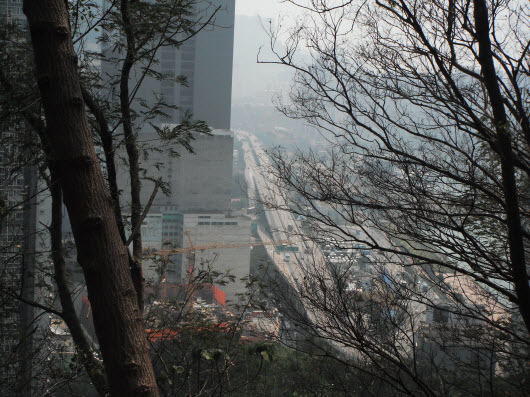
{"points": [[504, 144], [101, 252], [106, 142], [92, 366]]}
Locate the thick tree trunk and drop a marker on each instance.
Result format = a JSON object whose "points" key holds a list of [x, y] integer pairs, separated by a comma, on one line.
{"points": [[93, 368], [101, 252], [106, 142], [504, 144]]}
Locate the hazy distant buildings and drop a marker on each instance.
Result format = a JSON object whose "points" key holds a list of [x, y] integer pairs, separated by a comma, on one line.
{"points": [[229, 238], [222, 243], [202, 181], [197, 189], [162, 231], [204, 59], [151, 230], [197, 182]]}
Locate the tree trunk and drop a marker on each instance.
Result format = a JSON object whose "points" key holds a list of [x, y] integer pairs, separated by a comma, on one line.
{"points": [[504, 144], [101, 252], [132, 152], [92, 366]]}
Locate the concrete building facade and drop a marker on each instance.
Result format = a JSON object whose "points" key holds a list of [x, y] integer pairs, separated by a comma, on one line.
{"points": [[162, 231], [175, 230], [196, 182], [212, 81], [220, 229], [204, 59], [199, 181]]}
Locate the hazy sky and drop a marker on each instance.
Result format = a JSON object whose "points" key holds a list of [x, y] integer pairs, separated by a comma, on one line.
{"points": [[263, 8]]}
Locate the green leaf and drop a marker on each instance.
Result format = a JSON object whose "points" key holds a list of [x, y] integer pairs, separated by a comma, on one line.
{"points": [[265, 355]]}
